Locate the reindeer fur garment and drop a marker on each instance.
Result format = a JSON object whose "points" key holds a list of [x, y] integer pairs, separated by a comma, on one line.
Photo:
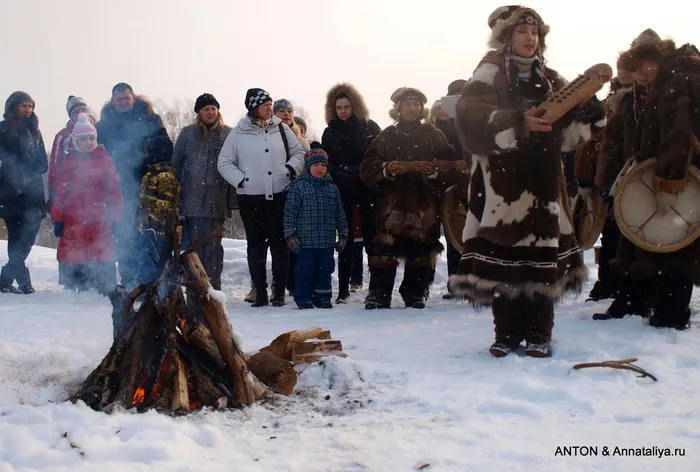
{"points": [[519, 237]]}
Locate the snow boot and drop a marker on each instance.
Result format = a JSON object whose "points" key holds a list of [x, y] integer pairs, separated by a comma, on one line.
{"points": [[305, 306], [252, 295], [354, 288], [419, 305], [378, 299], [602, 291], [503, 346], [261, 298], [325, 305], [537, 346], [278, 297], [676, 320], [7, 280], [343, 298], [24, 282]]}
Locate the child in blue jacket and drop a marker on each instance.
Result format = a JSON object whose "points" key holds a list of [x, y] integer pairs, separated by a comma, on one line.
{"points": [[313, 218]]}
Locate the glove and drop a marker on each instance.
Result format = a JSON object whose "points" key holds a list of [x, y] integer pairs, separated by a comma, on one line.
{"points": [[58, 229], [664, 201], [341, 243], [290, 236], [292, 173]]}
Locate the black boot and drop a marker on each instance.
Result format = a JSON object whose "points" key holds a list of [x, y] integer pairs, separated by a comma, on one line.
{"points": [[381, 284], [261, 298], [602, 290], [7, 280], [415, 284], [24, 282], [377, 299]]}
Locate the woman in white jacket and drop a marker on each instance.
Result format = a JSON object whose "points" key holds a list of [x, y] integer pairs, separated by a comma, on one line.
{"points": [[260, 157]]}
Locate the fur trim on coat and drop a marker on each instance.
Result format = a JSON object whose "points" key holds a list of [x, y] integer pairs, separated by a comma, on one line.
{"points": [[359, 108]]}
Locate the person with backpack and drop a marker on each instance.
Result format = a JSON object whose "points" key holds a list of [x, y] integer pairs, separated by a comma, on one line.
{"points": [[260, 157]]}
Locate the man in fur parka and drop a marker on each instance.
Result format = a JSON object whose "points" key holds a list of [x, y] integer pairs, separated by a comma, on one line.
{"points": [[520, 253], [408, 225], [668, 130]]}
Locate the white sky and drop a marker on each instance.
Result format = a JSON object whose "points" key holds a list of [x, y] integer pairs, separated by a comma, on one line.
{"points": [[169, 49]]}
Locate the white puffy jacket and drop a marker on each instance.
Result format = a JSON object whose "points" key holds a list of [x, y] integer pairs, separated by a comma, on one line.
{"points": [[254, 161]]}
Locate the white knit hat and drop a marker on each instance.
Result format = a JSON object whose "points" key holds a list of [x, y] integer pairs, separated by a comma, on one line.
{"points": [[83, 127]]}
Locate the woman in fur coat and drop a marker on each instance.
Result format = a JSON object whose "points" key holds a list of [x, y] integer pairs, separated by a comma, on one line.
{"points": [[346, 139], [668, 129], [520, 253], [408, 224]]}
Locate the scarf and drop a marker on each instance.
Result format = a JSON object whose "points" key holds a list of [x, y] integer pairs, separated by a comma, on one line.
{"points": [[520, 64]]}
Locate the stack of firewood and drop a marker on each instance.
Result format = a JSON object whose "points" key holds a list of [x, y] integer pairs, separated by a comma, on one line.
{"points": [[274, 364]]}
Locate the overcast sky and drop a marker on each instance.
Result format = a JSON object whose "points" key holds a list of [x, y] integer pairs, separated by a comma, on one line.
{"points": [[169, 49]]}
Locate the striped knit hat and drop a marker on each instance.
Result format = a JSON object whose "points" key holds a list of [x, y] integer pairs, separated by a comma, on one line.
{"points": [[313, 156], [83, 127], [74, 103]]}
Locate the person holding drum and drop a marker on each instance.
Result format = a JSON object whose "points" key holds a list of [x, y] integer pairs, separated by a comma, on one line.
{"points": [[520, 252], [668, 131]]}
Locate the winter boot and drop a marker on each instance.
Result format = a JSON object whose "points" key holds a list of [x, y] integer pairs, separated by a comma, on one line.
{"points": [[261, 298], [7, 280], [252, 295], [278, 296], [354, 288], [617, 310], [305, 306], [343, 298], [325, 305], [602, 290], [676, 320], [381, 282], [536, 346], [24, 282], [504, 345], [378, 299], [415, 285]]}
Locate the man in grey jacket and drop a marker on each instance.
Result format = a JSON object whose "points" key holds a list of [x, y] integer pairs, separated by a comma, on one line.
{"points": [[260, 157]]}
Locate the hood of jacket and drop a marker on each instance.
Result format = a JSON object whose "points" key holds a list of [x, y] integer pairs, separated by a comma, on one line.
{"points": [[247, 124], [359, 108], [142, 106]]}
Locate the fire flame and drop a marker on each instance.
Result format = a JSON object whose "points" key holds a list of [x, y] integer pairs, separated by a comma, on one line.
{"points": [[155, 394], [139, 396]]}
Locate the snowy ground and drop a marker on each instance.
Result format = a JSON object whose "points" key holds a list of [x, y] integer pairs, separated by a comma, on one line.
{"points": [[417, 390]]}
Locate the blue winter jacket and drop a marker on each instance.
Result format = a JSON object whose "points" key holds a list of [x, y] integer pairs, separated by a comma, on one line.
{"points": [[314, 210]]}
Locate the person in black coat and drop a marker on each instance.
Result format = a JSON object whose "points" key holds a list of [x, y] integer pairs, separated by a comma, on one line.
{"points": [[346, 139], [126, 126], [22, 199]]}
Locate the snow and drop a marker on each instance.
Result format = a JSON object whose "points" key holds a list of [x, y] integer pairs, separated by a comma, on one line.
{"points": [[418, 387]]}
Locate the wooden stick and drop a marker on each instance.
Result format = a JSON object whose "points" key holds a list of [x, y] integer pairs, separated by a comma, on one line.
{"points": [[181, 397], [624, 364], [199, 242], [246, 387]]}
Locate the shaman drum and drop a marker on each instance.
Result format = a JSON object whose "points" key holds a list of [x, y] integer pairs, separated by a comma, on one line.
{"points": [[453, 214], [643, 225], [589, 219]]}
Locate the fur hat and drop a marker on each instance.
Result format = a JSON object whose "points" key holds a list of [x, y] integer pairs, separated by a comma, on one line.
{"points": [[648, 46], [255, 97], [408, 93], [313, 156], [455, 87], [282, 104], [16, 99], [205, 100], [503, 19]]}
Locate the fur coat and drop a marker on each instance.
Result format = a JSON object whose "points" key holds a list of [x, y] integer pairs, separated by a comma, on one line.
{"points": [[408, 203], [668, 129], [519, 237]]}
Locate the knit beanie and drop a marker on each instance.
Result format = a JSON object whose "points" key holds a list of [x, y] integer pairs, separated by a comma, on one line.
{"points": [[159, 149], [282, 104], [74, 103], [313, 156], [255, 97], [83, 128], [205, 100], [16, 99]]}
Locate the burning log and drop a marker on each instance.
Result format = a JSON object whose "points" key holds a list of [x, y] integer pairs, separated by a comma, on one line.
{"points": [[166, 359]]}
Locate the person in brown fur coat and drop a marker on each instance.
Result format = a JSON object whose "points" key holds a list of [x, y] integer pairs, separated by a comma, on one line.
{"points": [[520, 252], [408, 224], [668, 130]]}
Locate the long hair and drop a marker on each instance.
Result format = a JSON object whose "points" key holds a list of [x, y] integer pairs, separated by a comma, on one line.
{"points": [[203, 129]]}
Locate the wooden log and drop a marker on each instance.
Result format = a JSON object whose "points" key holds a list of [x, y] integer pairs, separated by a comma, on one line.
{"points": [[246, 389], [283, 344], [310, 346], [201, 338], [317, 356], [274, 372], [181, 397]]}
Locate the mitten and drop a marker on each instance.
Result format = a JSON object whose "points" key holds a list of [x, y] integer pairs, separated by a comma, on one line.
{"points": [[58, 229], [341, 243], [290, 236]]}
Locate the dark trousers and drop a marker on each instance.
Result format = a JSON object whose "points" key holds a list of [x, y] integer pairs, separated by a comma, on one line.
{"points": [[212, 253], [313, 276], [453, 257], [416, 276], [672, 302], [262, 220], [608, 248], [634, 297], [22, 229], [101, 276], [357, 263], [522, 318], [130, 249], [361, 196]]}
